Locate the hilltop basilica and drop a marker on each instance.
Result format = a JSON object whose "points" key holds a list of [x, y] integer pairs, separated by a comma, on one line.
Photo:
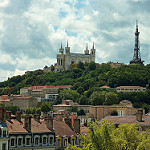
{"points": [[65, 58]]}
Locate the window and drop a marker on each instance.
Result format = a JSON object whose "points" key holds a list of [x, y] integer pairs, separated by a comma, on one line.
{"points": [[51, 140], [44, 140], [58, 142], [73, 142], [65, 143], [4, 146], [36, 141], [27, 141], [20, 141], [79, 142], [4, 133], [12, 142]]}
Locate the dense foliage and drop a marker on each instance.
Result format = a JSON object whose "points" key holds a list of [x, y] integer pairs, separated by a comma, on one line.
{"points": [[104, 136], [86, 80]]}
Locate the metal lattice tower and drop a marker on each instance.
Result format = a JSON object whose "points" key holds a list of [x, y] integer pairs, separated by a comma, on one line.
{"points": [[136, 57]]}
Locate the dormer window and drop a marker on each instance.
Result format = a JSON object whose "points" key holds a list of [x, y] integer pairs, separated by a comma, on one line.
{"points": [[28, 141], [12, 142], [4, 133], [36, 141], [44, 140], [51, 140], [19, 141]]}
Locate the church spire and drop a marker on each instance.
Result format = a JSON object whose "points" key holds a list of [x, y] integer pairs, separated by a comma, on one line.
{"points": [[61, 50], [67, 43], [86, 46], [61, 45], [93, 45]]}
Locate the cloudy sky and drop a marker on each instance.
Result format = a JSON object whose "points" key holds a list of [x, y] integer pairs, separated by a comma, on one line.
{"points": [[31, 31]]}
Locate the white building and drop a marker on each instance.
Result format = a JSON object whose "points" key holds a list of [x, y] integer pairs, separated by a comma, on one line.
{"points": [[66, 58]]}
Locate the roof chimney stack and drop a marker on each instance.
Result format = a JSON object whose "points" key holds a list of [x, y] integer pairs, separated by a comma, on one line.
{"points": [[8, 115], [27, 123], [139, 115]]}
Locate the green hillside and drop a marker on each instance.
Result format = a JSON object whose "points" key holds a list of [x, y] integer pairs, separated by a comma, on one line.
{"points": [[86, 79]]}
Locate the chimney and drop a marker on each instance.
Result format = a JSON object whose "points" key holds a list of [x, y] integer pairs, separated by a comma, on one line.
{"points": [[37, 117], [2, 113], [27, 123], [18, 116], [68, 122], [8, 115], [49, 123], [139, 115], [76, 125]]}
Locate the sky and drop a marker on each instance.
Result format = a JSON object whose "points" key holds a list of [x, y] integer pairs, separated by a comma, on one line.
{"points": [[31, 31]]}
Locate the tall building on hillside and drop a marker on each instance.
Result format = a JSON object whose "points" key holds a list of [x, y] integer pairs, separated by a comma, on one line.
{"points": [[137, 58], [66, 58]]}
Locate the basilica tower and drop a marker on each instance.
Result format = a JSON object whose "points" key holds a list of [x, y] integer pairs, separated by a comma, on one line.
{"points": [[136, 56]]}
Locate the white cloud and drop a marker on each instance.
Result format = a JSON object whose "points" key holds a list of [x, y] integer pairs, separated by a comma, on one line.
{"points": [[4, 3], [31, 31]]}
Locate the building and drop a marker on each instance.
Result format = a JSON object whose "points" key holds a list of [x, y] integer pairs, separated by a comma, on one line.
{"points": [[26, 133], [142, 120], [66, 131], [115, 64], [130, 88], [3, 136], [23, 102], [68, 104], [136, 57], [124, 108], [66, 58], [45, 93]]}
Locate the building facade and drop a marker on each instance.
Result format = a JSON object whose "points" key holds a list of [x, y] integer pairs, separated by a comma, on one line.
{"points": [[66, 58], [45, 93], [125, 108]]}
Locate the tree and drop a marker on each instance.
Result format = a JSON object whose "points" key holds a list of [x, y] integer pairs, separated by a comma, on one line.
{"points": [[92, 65], [97, 98], [31, 110], [81, 112], [111, 98], [104, 136], [80, 65], [45, 108], [13, 109], [69, 94]]}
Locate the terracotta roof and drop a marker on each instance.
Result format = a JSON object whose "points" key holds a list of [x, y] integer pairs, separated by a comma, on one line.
{"points": [[84, 130], [130, 87], [60, 86], [60, 105], [37, 127], [18, 127], [4, 97], [129, 119], [105, 86], [27, 97], [62, 129], [48, 86]]}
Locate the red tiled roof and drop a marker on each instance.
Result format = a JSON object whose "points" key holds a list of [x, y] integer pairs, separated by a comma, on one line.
{"points": [[129, 119], [105, 86], [130, 87], [18, 127], [62, 105], [37, 127], [62, 129], [4, 97], [84, 129], [27, 97]]}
